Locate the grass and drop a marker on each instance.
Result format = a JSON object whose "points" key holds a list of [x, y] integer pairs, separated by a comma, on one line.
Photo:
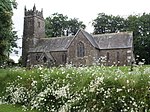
{"points": [[13, 108], [83, 84], [11, 74]]}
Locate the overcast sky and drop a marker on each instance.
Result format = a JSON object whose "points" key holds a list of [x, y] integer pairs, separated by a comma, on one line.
{"points": [[85, 10]]}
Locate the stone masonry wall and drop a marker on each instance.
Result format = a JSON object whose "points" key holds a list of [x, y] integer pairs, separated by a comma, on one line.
{"points": [[91, 54]]}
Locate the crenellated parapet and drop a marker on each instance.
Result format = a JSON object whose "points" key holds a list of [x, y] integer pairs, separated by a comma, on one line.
{"points": [[33, 12]]}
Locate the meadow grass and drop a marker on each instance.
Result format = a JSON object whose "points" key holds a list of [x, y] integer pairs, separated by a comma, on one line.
{"points": [[95, 88], [13, 108]]}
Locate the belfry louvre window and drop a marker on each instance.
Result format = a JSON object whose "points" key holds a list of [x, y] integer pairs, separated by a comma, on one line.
{"points": [[80, 50]]}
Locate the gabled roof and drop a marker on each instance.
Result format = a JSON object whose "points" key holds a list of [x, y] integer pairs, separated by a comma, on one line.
{"points": [[52, 44], [90, 38], [114, 40], [86, 35], [101, 41]]}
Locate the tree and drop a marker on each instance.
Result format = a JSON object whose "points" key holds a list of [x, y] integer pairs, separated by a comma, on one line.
{"points": [[55, 25], [138, 24], [73, 26], [108, 24], [7, 35], [59, 25]]}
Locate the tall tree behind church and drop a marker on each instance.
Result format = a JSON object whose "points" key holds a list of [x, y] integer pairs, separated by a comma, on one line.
{"points": [[7, 35], [139, 24], [108, 24], [59, 25]]}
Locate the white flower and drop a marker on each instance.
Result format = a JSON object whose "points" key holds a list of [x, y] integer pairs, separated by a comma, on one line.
{"points": [[118, 90], [62, 92], [147, 70], [127, 81], [33, 83]]}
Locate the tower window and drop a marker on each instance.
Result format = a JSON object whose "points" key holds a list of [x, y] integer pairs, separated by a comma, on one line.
{"points": [[80, 49], [39, 25], [29, 23]]}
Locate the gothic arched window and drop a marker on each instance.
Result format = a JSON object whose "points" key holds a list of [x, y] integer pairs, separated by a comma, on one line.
{"points": [[107, 56], [64, 58], [118, 56], [44, 59], [80, 49], [37, 57]]}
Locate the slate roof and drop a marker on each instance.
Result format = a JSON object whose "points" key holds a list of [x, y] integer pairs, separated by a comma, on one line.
{"points": [[114, 40], [90, 38], [101, 41], [52, 44]]}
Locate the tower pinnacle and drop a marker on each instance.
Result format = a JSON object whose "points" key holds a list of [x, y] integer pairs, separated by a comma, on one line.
{"points": [[34, 8]]}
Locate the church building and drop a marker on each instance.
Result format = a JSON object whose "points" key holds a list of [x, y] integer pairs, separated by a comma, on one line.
{"points": [[80, 49]]}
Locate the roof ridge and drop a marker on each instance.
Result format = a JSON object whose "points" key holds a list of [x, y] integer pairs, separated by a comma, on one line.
{"points": [[127, 32], [114, 40], [56, 37], [90, 38]]}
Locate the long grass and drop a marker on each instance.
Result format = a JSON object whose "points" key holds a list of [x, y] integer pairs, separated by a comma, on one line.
{"points": [[13, 108], [68, 88]]}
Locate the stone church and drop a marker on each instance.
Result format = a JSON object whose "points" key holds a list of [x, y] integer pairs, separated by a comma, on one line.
{"points": [[78, 50]]}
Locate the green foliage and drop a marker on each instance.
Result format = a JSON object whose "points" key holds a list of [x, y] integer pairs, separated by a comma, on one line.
{"points": [[139, 24], [108, 24], [141, 29], [13, 108], [7, 35], [73, 26], [59, 25], [68, 89]]}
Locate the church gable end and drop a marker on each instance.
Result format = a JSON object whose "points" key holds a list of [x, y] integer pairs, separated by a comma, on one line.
{"points": [[82, 49]]}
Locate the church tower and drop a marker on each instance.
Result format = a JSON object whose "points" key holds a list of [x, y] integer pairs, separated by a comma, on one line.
{"points": [[34, 29]]}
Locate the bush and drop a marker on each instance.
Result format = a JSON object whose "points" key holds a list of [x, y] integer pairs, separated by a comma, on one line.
{"points": [[79, 89]]}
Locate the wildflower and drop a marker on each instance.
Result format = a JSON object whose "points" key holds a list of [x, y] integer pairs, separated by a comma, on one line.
{"points": [[34, 83], [141, 63], [118, 90], [61, 92], [147, 71], [127, 81]]}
